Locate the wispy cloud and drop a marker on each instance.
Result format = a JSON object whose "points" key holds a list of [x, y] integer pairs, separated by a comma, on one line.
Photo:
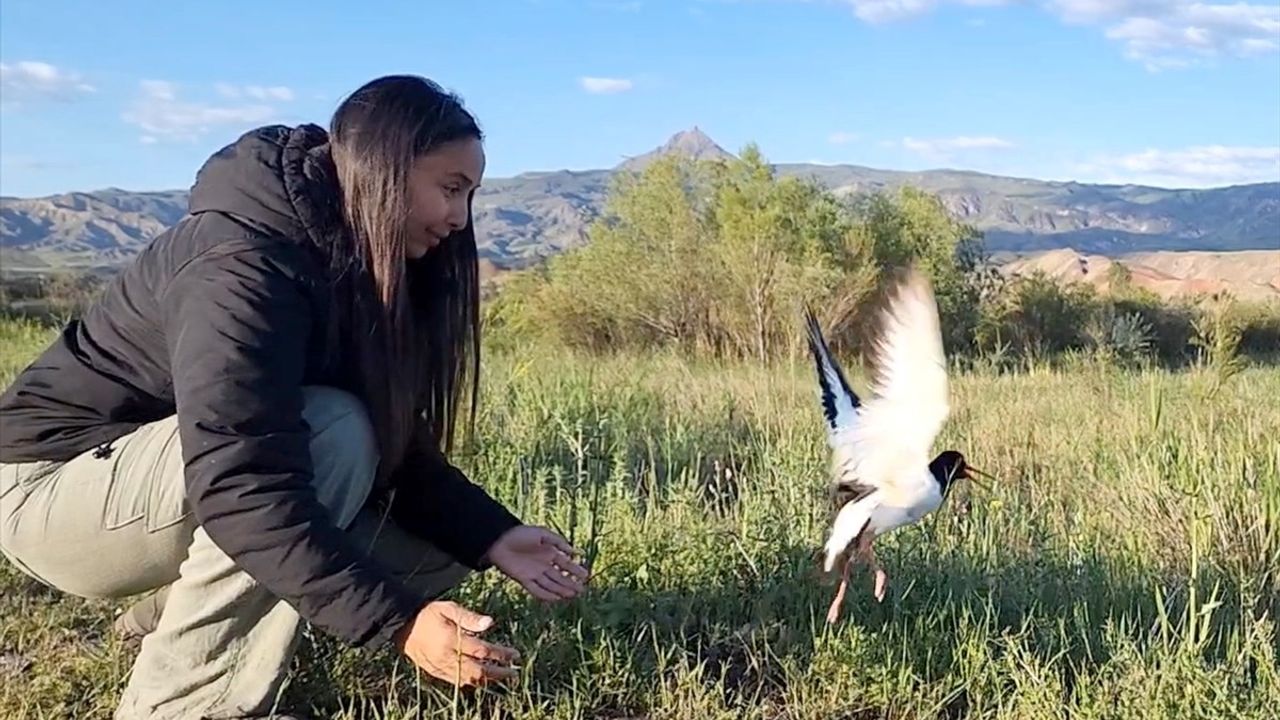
{"points": [[880, 11], [1161, 34], [163, 116], [254, 92], [605, 85], [626, 6], [26, 163], [842, 137], [30, 80], [1175, 33], [945, 148], [1192, 167]]}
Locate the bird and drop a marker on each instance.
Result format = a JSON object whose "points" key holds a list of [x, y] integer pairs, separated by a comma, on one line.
{"points": [[881, 475]]}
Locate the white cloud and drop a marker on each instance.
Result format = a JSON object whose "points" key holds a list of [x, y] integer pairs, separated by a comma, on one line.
{"points": [[841, 137], [1176, 33], [255, 92], [1091, 11], [34, 80], [880, 11], [1192, 167], [163, 116], [605, 85], [942, 148], [27, 163], [1158, 33]]}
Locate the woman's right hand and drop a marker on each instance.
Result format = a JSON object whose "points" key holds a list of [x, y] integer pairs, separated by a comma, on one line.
{"points": [[442, 641]]}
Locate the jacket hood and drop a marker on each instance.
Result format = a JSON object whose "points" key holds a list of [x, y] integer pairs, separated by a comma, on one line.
{"points": [[278, 178]]}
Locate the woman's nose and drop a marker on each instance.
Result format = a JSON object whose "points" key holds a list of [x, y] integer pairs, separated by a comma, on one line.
{"points": [[458, 216]]}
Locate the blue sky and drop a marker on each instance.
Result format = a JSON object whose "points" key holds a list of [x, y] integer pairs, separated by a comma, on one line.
{"points": [[1168, 92]]}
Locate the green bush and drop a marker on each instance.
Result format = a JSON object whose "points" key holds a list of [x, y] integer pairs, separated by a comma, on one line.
{"points": [[718, 259]]}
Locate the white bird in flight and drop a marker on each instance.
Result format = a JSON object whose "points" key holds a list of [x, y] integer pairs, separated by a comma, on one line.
{"points": [[882, 477]]}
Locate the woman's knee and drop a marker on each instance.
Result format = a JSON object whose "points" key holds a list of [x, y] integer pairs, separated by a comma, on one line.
{"points": [[344, 450]]}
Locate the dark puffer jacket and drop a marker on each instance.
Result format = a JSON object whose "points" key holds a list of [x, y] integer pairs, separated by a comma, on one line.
{"points": [[220, 320]]}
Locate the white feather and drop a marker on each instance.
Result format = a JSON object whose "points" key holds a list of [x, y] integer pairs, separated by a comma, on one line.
{"points": [[850, 521], [884, 443], [888, 447]]}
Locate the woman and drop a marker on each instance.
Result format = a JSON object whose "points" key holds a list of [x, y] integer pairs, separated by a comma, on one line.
{"points": [[252, 422]]}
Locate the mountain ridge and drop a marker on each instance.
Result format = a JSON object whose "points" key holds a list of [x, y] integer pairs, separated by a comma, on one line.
{"points": [[1248, 275], [524, 218]]}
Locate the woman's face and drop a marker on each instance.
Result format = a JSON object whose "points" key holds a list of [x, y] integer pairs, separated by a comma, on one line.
{"points": [[440, 184]]}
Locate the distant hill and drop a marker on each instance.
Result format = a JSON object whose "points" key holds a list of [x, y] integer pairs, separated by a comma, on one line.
{"points": [[84, 229], [1252, 275], [525, 218]]}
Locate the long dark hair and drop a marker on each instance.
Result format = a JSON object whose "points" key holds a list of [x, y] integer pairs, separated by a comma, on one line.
{"points": [[421, 316]]}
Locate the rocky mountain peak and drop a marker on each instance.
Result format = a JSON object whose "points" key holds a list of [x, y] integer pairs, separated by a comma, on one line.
{"points": [[692, 143]]}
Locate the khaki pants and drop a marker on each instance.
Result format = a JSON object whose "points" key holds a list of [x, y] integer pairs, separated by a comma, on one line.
{"points": [[118, 526]]}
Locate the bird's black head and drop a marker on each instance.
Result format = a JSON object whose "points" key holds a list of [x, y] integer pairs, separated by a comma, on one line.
{"points": [[950, 465]]}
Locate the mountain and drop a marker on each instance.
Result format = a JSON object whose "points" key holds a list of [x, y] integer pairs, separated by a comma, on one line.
{"points": [[84, 229], [528, 217], [691, 143], [1251, 275], [1018, 214]]}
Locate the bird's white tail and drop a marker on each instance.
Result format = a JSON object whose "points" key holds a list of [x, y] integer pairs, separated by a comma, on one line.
{"points": [[850, 521]]}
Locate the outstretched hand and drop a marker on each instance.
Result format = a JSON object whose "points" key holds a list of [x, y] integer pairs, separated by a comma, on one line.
{"points": [[539, 560], [443, 641]]}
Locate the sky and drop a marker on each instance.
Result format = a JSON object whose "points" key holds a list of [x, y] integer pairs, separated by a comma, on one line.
{"points": [[1174, 93]]}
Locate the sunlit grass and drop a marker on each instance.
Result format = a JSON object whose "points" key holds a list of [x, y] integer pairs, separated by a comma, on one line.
{"points": [[1124, 566]]}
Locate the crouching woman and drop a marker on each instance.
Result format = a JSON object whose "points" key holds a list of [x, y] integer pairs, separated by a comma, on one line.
{"points": [[250, 427]]}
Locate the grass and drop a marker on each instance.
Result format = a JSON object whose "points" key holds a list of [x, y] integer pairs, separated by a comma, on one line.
{"points": [[1126, 564]]}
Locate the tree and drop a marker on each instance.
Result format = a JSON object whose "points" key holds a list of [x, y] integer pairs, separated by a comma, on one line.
{"points": [[771, 242], [644, 272], [914, 226], [720, 257]]}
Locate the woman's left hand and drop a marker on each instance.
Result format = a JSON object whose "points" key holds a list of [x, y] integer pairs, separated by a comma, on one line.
{"points": [[541, 561]]}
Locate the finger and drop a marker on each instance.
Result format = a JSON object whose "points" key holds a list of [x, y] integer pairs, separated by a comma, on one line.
{"points": [[557, 591], [466, 619], [577, 571], [462, 674], [565, 581], [471, 673], [499, 673], [487, 651], [536, 590], [559, 543]]}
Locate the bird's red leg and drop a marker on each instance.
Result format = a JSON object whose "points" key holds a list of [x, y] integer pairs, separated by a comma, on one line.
{"points": [[882, 578], [833, 612]]}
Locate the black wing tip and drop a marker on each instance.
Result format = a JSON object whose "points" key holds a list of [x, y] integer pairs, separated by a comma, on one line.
{"points": [[817, 342], [824, 360], [811, 324], [814, 327], [818, 350]]}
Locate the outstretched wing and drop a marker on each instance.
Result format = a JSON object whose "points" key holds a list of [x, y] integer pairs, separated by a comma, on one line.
{"points": [[839, 402], [889, 445]]}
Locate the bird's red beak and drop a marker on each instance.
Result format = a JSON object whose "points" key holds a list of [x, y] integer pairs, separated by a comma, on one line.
{"points": [[970, 471]]}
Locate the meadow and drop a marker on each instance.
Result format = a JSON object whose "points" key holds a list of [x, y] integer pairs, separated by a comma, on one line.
{"points": [[1126, 564]]}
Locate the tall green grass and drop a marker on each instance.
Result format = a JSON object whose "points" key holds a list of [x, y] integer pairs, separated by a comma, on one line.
{"points": [[1125, 565]]}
